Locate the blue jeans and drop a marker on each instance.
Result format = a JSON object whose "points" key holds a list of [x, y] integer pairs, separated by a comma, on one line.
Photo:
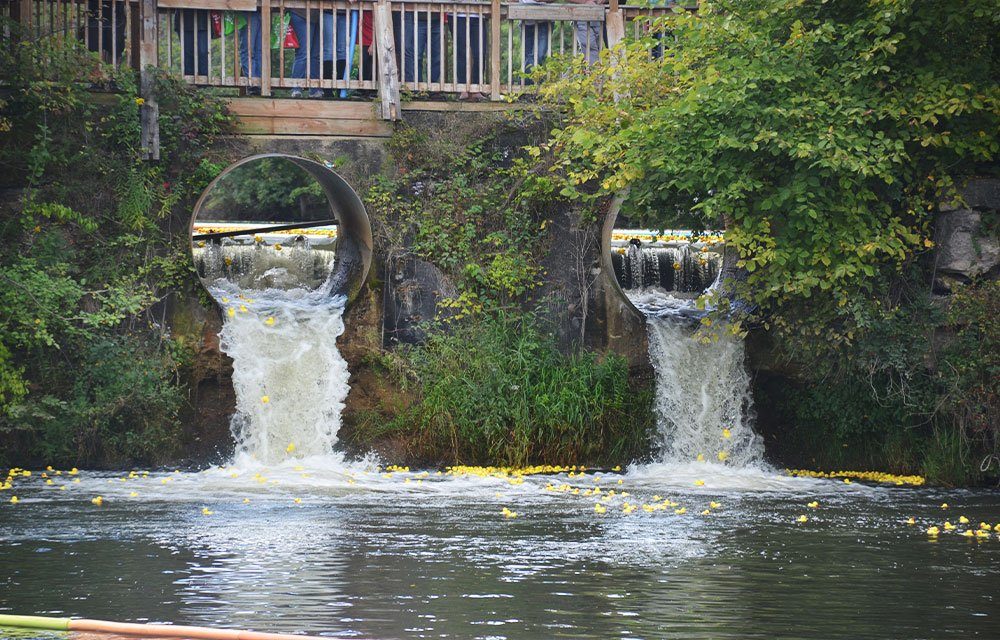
{"points": [[411, 66], [536, 44], [253, 26], [309, 45], [468, 70], [194, 25]]}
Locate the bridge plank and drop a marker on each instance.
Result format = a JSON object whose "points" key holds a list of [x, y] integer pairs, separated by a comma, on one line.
{"points": [[257, 125]]}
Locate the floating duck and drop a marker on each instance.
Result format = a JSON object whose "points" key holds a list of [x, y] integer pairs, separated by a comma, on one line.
{"points": [[74, 471], [681, 511], [269, 321], [49, 481], [507, 513], [963, 520], [98, 501], [933, 531], [985, 525], [706, 512], [701, 457], [714, 505], [699, 483], [727, 434], [600, 508], [231, 312], [948, 526], [944, 505], [968, 533], [628, 508], [205, 511], [722, 455], [982, 533], [813, 505], [847, 481], [803, 518], [133, 495], [246, 500], [910, 520], [14, 499], [297, 500], [997, 528]]}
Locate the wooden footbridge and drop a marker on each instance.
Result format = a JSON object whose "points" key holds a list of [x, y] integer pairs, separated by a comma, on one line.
{"points": [[364, 63]]}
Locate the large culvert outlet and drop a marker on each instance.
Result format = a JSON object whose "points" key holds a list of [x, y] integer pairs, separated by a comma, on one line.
{"points": [[281, 202]]}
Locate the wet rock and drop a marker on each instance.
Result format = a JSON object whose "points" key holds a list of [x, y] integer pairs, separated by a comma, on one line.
{"points": [[414, 291], [965, 236]]}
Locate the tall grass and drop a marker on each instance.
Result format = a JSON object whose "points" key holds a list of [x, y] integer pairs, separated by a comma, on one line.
{"points": [[499, 391]]}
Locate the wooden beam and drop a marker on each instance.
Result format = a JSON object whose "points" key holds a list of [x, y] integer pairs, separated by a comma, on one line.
{"points": [[265, 45], [615, 27], [150, 112], [215, 5], [495, 50], [388, 78], [580, 12], [21, 13], [298, 108], [268, 125], [135, 35]]}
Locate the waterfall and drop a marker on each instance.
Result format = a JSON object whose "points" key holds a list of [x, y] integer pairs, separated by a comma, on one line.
{"points": [[702, 395], [703, 403], [290, 379]]}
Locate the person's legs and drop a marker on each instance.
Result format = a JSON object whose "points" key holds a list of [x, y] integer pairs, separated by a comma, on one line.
{"points": [[250, 45], [202, 31], [431, 24], [536, 46], [588, 39], [301, 28], [410, 35]]}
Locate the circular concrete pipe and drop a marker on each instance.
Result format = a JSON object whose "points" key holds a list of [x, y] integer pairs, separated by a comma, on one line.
{"points": [[353, 245]]}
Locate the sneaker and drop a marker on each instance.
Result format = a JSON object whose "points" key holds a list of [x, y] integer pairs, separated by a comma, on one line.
{"points": [[295, 93], [316, 93]]}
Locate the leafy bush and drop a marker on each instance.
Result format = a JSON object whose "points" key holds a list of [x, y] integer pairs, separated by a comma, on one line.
{"points": [[499, 391], [86, 252]]}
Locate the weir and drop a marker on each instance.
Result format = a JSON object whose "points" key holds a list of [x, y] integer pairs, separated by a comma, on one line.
{"points": [[703, 404], [267, 250]]}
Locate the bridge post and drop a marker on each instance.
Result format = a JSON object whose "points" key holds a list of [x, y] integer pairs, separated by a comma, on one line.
{"points": [[388, 78], [149, 111], [265, 44], [495, 50]]}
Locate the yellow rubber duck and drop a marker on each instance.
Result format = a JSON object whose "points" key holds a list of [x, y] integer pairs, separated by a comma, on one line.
{"points": [[133, 495], [98, 501], [997, 528], [74, 471], [985, 525], [246, 500], [507, 513], [910, 520], [727, 434], [701, 457], [600, 508], [705, 512], [963, 520], [813, 505], [205, 511], [269, 321], [948, 526], [297, 500], [231, 312], [265, 399], [14, 499], [944, 505], [933, 531], [803, 518], [722, 455], [714, 505], [681, 511], [968, 533], [699, 483], [847, 481]]}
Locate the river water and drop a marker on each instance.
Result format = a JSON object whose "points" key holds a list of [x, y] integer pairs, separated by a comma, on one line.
{"points": [[311, 545]]}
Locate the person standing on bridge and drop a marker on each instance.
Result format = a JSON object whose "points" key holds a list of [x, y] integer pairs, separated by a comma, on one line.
{"points": [[589, 34]]}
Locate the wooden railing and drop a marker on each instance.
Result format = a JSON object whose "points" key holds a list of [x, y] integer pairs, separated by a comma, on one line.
{"points": [[483, 48], [438, 46]]}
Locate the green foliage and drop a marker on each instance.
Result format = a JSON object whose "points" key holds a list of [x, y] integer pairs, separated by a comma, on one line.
{"points": [[499, 391], [268, 189], [467, 214], [916, 390], [819, 134], [87, 251]]}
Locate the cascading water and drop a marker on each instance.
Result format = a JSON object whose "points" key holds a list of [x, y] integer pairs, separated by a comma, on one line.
{"points": [[290, 379], [703, 403]]}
